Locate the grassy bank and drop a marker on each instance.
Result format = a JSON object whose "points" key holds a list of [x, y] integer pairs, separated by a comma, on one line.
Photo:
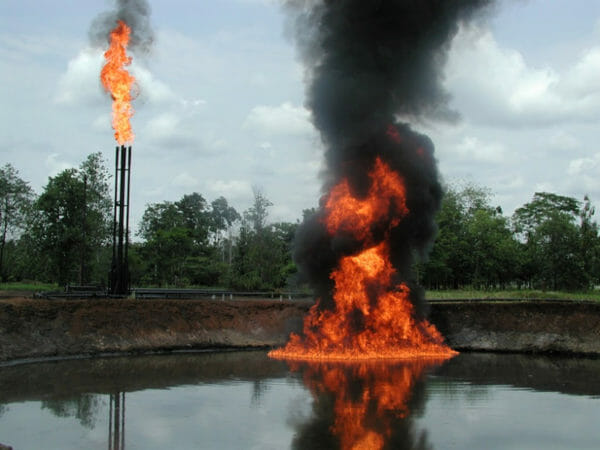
{"points": [[467, 294], [28, 286], [459, 294]]}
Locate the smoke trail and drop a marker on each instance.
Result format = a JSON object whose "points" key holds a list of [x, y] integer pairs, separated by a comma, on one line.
{"points": [[136, 14], [369, 65]]}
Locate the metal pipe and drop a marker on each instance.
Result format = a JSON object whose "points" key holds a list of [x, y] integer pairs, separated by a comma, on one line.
{"points": [[126, 268], [114, 256]]}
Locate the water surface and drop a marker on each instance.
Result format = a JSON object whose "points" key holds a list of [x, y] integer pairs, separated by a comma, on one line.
{"points": [[244, 400]]}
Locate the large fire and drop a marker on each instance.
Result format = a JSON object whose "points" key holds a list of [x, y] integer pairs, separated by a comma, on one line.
{"points": [[373, 316], [118, 82], [371, 400]]}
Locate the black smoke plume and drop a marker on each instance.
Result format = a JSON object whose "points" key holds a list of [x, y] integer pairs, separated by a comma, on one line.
{"points": [[136, 14], [372, 65]]}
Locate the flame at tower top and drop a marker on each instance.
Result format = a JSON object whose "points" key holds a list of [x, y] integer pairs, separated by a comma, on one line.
{"points": [[118, 82]]}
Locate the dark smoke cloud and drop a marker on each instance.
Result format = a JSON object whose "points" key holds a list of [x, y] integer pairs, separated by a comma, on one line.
{"points": [[369, 64], [136, 14]]}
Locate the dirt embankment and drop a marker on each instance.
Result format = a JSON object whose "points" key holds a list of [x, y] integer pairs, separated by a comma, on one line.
{"points": [[534, 326], [45, 328]]}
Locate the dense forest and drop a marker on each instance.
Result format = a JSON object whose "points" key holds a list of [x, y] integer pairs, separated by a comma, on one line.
{"points": [[64, 236]]}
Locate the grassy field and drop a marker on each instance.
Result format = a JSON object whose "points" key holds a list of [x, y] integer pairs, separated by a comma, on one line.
{"points": [[464, 294], [28, 286], [514, 294]]}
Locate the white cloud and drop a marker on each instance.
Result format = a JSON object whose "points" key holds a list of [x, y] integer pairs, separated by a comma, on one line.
{"points": [[496, 86], [563, 141], [582, 175], [162, 126], [80, 84], [285, 119], [582, 166], [102, 122], [545, 186], [55, 165], [582, 80], [154, 91], [473, 149], [192, 104], [231, 189], [185, 180]]}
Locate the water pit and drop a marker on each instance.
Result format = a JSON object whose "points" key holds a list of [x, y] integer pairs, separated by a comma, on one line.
{"points": [[235, 400]]}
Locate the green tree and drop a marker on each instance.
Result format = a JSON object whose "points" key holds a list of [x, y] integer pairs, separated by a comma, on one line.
{"points": [[262, 258], [257, 214], [474, 245], [222, 216], [95, 252], [195, 217], [222, 219], [69, 227], [58, 225], [168, 243], [15, 200], [447, 261], [551, 239], [589, 243], [183, 243], [494, 252]]}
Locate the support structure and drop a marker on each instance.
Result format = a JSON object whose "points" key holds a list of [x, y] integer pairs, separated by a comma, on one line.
{"points": [[119, 272]]}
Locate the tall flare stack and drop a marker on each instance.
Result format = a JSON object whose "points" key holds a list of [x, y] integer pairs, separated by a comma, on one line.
{"points": [[119, 271], [372, 66], [126, 26], [118, 82], [128, 23]]}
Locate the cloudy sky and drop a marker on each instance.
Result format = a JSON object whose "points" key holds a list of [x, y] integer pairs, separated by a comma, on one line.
{"points": [[220, 105]]}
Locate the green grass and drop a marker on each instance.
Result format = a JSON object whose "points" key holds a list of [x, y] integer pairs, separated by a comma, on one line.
{"points": [[28, 286], [510, 294]]}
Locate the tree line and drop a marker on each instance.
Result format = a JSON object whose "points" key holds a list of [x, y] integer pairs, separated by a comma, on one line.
{"points": [[63, 235]]}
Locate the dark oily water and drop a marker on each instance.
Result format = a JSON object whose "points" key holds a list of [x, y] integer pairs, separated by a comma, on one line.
{"points": [[244, 400]]}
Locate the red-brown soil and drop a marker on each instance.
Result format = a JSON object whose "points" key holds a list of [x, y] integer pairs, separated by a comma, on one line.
{"points": [[36, 328]]}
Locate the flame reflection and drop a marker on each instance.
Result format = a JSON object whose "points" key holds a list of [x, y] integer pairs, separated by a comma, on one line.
{"points": [[363, 405]]}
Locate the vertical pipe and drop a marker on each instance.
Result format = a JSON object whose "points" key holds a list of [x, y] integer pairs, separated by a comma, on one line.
{"points": [[84, 234], [126, 269], [113, 270], [120, 284]]}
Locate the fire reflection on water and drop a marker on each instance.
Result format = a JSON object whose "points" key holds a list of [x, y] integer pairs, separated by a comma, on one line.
{"points": [[363, 405]]}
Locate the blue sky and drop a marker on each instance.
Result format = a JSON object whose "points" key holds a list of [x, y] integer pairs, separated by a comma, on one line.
{"points": [[220, 106]]}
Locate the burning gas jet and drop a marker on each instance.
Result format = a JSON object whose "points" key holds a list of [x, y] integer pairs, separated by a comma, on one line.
{"points": [[118, 82]]}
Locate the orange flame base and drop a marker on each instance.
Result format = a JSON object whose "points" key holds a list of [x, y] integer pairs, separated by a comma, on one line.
{"points": [[362, 326], [373, 316]]}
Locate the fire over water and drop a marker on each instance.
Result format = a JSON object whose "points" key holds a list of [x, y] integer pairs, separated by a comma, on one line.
{"points": [[373, 316]]}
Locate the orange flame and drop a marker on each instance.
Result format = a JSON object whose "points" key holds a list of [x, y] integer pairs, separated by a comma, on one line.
{"points": [[118, 82], [373, 315], [369, 398]]}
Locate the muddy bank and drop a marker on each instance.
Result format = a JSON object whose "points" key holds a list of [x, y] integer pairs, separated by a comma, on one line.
{"points": [[42, 328], [527, 326], [46, 328]]}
